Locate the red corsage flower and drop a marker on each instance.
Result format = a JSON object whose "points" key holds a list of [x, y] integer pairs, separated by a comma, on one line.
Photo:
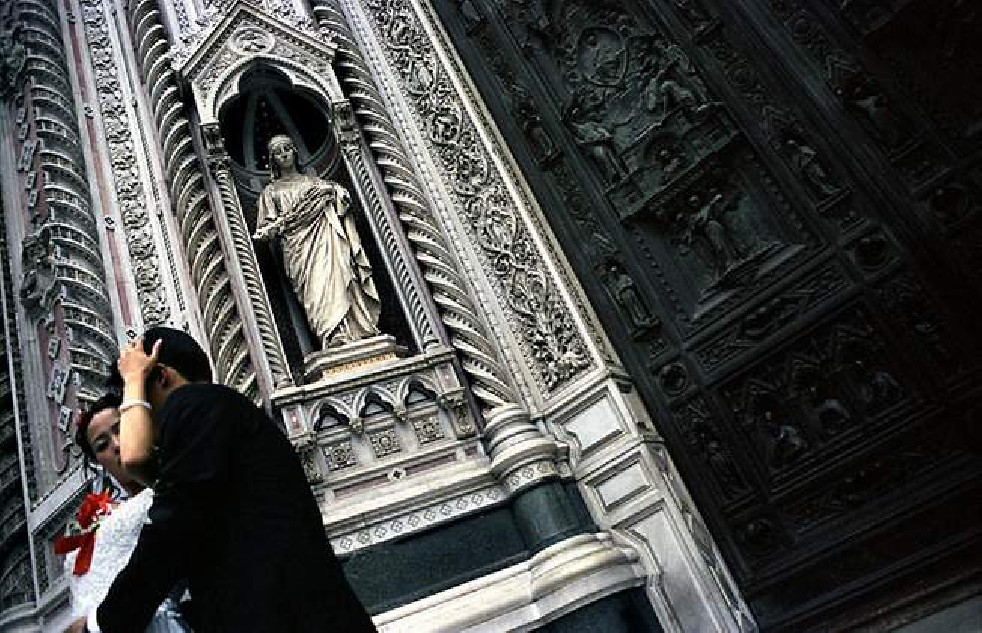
{"points": [[81, 532]]}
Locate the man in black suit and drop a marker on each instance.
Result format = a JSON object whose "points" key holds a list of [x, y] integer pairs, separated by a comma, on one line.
{"points": [[232, 512]]}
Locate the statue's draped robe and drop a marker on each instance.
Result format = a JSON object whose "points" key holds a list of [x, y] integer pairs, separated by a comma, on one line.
{"points": [[323, 256]]}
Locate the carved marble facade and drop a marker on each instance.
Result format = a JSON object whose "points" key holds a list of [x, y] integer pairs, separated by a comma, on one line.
{"points": [[763, 176], [617, 261], [493, 400]]}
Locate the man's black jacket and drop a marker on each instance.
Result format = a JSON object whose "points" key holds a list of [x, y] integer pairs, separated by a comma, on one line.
{"points": [[232, 513]]}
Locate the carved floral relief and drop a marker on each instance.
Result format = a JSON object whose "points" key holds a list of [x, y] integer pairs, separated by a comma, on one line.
{"points": [[549, 337]]}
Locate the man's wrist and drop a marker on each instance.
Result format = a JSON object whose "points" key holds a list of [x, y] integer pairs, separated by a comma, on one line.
{"points": [[136, 377], [130, 403]]}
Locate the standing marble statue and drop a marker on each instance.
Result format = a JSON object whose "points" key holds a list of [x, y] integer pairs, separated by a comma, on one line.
{"points": [[322, 253]]}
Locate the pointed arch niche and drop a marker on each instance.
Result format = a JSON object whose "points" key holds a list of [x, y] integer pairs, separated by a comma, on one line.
{"points": [[266, 105], [253, 78]]}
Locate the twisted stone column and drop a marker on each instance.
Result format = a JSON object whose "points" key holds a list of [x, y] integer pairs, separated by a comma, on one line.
{"points": [[209, 268]]}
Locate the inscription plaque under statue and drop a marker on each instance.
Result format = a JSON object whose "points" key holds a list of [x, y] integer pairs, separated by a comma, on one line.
{"points": [[352, 357]]}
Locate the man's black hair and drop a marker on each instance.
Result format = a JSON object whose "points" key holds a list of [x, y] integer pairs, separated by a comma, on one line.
{"points": [[178, 350]]}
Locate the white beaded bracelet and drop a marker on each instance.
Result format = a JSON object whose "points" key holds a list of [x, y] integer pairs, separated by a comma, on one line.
{"points": [[129, 404]]}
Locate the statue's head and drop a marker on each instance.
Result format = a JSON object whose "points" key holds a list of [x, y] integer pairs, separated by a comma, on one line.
{"points": [[282, 153]]}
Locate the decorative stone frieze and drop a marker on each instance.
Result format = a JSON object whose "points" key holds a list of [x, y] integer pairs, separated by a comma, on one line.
{"points": [[120, 147]]}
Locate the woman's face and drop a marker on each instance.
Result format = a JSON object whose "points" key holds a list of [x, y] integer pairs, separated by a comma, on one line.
{"points": [[284, 155], [103, 437]]}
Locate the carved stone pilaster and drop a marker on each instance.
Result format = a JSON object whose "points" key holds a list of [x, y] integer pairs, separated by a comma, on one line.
{"points": [[349, 138], [208, 267], [16, 479], [120, 143], [521, 455], [244, 259], [63, 209]]}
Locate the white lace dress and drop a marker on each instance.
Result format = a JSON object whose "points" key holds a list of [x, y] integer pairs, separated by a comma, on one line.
{"points": [[115, 541]]}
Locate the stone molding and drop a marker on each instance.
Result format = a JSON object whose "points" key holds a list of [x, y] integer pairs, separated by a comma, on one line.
{"points": [[417, 520], [431, 470], [17, 589], [242, 258], [554, 582], [422, 313], [632, 489]]}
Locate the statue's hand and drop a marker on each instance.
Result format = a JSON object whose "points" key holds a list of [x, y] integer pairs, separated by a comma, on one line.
{"points": [[266, 231]]}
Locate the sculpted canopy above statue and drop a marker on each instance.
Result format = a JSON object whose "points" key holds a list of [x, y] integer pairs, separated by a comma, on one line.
{"points": [[322, 253]]}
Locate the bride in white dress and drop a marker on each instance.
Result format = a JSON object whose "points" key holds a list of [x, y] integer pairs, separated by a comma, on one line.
{"points": [[92, 568]]}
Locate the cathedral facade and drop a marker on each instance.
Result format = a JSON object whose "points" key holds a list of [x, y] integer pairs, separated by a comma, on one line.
{"points": [[581, 315]]}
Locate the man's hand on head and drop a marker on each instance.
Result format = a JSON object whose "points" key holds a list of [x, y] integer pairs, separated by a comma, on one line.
{"points": [[78, 626], [136, 425], [135, 364]]}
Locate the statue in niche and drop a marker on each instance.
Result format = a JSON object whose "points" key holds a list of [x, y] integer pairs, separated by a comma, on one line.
{"points": [[695, 14], [37, 288], [542, 22], [625, 294], [705, 225], [864, 100], [470, 15], [675, 85], [877, 388], [322, 254], [669, 163], [720, 462], [781, 440], [543, 147], [831, 414], [806, 163], [598, 143]]}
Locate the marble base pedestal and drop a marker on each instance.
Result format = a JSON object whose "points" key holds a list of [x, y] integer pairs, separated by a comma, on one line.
{"points": [[351, 357]]}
